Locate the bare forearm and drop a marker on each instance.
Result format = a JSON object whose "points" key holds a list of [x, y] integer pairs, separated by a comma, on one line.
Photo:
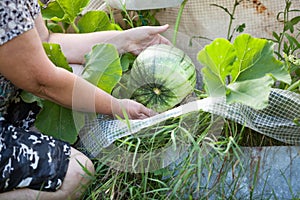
{"points": [[24, 62], [75, 46], [73, 92], [87, 97]]}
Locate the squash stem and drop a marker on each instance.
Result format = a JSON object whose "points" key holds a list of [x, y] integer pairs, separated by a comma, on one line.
{"points": [[178, 21], [156, 91], [75, 27]]}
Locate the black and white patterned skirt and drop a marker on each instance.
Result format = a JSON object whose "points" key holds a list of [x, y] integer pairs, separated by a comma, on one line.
{"points": [[29, 159]]}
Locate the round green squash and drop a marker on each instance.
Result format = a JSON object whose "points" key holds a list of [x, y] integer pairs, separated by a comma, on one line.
{"points": [[161, 77]]}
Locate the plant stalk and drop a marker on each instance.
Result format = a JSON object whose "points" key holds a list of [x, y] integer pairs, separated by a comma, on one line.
{"points": [[75, 27], [178, 22], [285, 19], [229, 36]]}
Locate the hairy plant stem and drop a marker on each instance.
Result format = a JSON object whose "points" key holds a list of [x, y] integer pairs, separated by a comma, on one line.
{"points": [[229, 35], [231, 15], [178, 22], [285, 19]]}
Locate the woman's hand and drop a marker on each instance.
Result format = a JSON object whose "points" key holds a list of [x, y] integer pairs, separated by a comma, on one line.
{"points": [[137, 39], [133, 109]]}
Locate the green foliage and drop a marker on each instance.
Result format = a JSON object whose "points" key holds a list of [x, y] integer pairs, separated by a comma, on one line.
{"points": [[288, 46], [243, 71], [103, 67], [146, 18], [121, 89], [94, 21], [58, 122], [56, 56], [153, 140], [30, 98], [64, 11], [72, 9], [61, 14], [127, 61], [52, 11], [140, 18]]}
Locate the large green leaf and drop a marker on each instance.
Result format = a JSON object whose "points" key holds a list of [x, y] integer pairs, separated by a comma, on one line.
{"points": [[30, 98], [54, 27], [56, 56], [244, 71], [217, 58], [94, 21], [58, 122], [253, 93], [53, 12], [214, 86], [127, 60], [103, 67], [72, 8], [255, 59]]}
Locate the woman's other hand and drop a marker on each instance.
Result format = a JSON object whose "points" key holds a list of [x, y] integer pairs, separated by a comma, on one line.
{"points": [[137, 39]]}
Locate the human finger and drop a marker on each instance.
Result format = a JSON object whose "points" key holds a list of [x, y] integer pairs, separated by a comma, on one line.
{"points": [[164, 40], [147, 111], [153, 30]]}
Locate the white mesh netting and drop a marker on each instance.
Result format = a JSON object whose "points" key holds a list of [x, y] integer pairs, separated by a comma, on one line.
{"points": [[276, 121], [200, 18]]}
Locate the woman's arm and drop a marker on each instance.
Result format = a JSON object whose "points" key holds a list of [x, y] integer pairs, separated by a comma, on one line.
{"points": [[75, 46], [25, 64]]}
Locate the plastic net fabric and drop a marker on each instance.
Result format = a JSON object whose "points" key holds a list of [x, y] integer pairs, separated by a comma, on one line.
{"points": [[200, 18], [277, 120]]}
